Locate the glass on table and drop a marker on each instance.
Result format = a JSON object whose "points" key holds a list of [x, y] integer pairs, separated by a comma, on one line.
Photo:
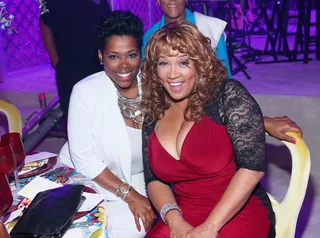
{"points": [[6, 198], [8, 161], [15, 140]]}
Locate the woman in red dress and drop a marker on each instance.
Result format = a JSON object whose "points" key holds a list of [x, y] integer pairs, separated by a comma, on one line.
{"points": [[203, 141]]}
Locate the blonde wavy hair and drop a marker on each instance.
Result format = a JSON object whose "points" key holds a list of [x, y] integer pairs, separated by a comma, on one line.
{"points": [[186, 39]]}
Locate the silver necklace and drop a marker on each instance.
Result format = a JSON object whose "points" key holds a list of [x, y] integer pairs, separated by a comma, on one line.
{"points": [[130, 108]]}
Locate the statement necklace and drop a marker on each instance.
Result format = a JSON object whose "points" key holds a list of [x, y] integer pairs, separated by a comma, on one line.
{"points": [[130, 108]]}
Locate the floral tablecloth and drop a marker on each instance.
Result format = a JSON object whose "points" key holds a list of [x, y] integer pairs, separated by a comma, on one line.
{"points": [[93, 225]]}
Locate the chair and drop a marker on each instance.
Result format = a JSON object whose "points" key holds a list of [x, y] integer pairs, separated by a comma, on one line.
{"points": [[287, 211], [13, 116]]}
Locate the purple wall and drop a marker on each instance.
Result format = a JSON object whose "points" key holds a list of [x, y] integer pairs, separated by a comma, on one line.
{"points": [[25, 49]]}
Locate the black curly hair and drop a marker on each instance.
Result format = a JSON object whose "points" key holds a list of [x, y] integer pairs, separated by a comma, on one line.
{"points": [[119, 23]]}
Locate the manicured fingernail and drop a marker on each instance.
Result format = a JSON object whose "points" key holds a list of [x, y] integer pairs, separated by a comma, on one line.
{"points": [[293, 141], [139, 229]]}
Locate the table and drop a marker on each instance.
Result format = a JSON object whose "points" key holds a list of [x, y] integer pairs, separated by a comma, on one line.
{"points": [[93, 225]]}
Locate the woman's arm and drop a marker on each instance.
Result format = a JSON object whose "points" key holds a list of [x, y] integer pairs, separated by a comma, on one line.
{"points": [[244, 122], [138, 204], [83, 154], [3, 231], [160, 193], [278, 126], [81, 141], [80, 133], [49, 43], [234, 198]]}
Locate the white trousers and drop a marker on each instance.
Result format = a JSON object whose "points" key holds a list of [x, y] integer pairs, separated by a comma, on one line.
{"points": [[121, 222]]}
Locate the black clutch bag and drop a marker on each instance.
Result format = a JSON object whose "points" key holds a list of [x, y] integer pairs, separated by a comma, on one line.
{"points": [[50, 213]]}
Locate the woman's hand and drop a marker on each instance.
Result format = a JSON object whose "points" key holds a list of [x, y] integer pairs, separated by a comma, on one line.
{"points": [[278, 126], [141, 208], [3, 231], [205, 230], [179, 228]]}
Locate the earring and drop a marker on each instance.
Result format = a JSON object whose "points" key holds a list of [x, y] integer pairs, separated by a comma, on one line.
{"points": [[186, 1], [101, 63], [158, 3]]}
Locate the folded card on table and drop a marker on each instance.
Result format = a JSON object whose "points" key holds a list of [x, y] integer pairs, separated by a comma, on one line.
{"points": [[72, 233], [39, 184], [13, 215], [27, 168], [92, 200], [38, 156]]}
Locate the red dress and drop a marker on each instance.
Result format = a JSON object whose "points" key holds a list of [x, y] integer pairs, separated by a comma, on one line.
{"points": [[230, 136], [200, 179]]}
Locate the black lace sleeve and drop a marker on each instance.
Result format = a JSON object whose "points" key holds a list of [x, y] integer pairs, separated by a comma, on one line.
{"points": [[243, 119], [148, 174]]}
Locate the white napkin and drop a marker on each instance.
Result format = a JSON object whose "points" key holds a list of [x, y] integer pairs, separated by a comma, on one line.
{"points": [[92, 200], [72, 233]]}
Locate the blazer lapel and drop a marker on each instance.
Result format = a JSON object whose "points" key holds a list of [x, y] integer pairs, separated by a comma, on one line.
{"points": [[115, 130]]}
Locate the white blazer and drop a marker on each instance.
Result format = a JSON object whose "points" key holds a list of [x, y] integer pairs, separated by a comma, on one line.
{"points": [[97, 133], [210, 27]]}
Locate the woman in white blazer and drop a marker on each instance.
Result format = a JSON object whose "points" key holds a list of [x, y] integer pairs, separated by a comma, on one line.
{"points": [[104, 127]]}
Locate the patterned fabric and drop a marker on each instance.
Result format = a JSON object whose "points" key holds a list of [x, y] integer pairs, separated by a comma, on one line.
{"points": [[242, 116], [24, 49]]}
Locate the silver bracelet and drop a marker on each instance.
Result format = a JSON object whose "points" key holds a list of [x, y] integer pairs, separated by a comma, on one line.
{"points": [[122, 190], [166, 208]]}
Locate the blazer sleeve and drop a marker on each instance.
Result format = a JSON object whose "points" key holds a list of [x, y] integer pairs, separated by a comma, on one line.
{"points": [[80, 135], [243, 119]]}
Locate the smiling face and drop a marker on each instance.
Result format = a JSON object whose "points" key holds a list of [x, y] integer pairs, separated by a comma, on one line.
{"points": [[174, 10], [121, 60], [177, 75]]}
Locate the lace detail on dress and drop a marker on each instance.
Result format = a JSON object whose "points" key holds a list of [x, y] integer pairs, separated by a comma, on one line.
{"points": [[243, 119], [146, 132]]}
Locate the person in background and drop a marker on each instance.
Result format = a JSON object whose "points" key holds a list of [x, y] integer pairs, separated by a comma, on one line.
{"points": [[68, 33], [205, 136], [104, 127], [175, 11], [209, 26]]}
